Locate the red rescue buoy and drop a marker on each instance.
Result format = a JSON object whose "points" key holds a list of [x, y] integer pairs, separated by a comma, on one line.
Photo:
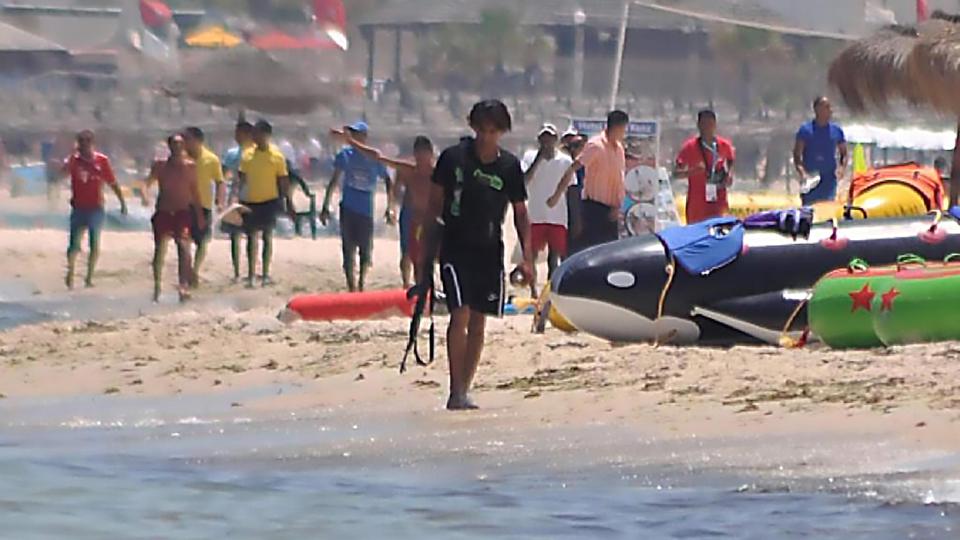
{"points": [[349, 306]]}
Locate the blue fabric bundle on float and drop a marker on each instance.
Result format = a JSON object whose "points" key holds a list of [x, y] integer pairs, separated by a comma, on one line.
{"points": [[724, 282]]}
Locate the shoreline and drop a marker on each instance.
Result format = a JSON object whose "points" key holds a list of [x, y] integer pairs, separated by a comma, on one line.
{"points": [[815, 412]]}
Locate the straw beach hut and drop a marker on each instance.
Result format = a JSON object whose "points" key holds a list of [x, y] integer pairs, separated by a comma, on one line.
{"points": [[248, 78], [917, 64]]}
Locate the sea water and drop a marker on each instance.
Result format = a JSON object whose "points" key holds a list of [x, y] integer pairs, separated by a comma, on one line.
{"points": [[155, 468]]}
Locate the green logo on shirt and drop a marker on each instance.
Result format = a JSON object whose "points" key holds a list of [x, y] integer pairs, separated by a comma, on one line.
{"points": [[491, 180], [455, 205]]}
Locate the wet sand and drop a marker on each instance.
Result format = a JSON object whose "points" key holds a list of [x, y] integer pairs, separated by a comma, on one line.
{"points": [[229, 339]]}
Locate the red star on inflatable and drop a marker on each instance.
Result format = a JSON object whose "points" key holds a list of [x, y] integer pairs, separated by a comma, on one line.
{"points": [[862, 299], [888, 299]]}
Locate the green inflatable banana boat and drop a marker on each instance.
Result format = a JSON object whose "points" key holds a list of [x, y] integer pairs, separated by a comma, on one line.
{"points": [[913, 302]]}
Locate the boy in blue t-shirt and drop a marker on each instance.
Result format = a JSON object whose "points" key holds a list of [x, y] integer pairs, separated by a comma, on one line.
{"points": [[359, 175], [818, 144]]}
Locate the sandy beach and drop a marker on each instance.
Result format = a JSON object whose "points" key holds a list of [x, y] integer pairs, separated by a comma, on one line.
{"points": [[229, 338]]}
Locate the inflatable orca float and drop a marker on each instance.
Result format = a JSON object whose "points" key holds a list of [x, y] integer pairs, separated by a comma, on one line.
{"points": [[637, 289]]}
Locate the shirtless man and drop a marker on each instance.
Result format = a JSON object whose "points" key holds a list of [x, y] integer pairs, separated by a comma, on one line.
{"points": [[413, 181], [178, 204]]}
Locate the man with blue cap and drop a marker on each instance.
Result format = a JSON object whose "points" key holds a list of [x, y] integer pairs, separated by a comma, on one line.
{"points": [[360, 175]]}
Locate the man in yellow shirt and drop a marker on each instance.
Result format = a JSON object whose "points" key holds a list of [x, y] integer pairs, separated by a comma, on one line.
{"points": [[263, 179], [209, 178]]}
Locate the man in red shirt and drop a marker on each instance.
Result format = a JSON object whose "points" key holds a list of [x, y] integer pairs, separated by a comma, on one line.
{"points": [[706, 161], [88, 170]]}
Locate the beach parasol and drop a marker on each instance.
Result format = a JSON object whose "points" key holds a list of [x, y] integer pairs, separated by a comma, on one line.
{"points": [[213, 37], [919, 64], [249, 78]]}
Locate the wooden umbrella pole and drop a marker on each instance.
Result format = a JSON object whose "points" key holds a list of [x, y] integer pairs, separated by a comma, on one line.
{"points": [[955, 171]]}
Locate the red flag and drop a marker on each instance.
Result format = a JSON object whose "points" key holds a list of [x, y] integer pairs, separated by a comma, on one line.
{"points": [[331, 17], [923, 11]]}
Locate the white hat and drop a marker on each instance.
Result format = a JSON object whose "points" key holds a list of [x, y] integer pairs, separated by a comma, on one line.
{"points": [[549, 129]]}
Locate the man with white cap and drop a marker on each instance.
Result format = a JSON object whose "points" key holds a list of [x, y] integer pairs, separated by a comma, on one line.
{"points": [[543, 170]]}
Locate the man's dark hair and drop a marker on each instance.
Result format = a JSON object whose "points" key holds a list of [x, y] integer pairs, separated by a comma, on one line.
{"points": [[706, 113], [244, 126], [818, 101], [492, 111], [195, 133], [617, 119], [172, 137], [422, 143], [263, 127], [85, 134]]}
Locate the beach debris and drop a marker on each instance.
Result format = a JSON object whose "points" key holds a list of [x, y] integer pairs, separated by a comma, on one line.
{"points": [[359, 377], [111, 390], [749, 407], [422, 383], [271, 365], [532, 394], [136, 382], [236, 404], [920, 424]]}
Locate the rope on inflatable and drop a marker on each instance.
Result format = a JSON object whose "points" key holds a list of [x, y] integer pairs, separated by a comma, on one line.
{"points": [[671, 270]]}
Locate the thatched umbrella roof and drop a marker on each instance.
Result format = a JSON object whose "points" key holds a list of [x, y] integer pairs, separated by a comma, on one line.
{"points": [[901, 63], [918, 64], [249, 78]]}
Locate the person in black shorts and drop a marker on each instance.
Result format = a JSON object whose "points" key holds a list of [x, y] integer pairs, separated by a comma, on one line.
{"points": [[473, 184]]}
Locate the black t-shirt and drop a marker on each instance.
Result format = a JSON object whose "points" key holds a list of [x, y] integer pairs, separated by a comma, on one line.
{"points": [[476, 196]]}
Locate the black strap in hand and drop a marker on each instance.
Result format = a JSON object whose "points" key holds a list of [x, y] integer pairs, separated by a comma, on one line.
{"points": [[412, 341]]}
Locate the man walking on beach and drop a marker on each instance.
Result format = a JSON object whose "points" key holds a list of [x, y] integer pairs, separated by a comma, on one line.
{"points": [[605, 161], [209, 180], [412, 186], [179, 207], [263, 180], [815, 152], [473, 184], [544, 170], [706, 161], [572, 145], [359, 174], [243, 135], [88, 170]]}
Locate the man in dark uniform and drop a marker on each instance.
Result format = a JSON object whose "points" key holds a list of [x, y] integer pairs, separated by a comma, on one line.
{"points": [[473, 184]]}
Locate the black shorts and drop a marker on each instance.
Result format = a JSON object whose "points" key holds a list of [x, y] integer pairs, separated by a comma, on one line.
{"points": [[198, 234], [356, 233], [598, 228], [473, 280], [262, 216]]}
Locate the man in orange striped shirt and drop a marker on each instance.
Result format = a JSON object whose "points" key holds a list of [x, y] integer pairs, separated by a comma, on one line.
{"points": [[604, 159]]}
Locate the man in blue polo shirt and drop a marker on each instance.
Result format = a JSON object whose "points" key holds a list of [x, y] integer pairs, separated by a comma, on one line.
{"points": [[819, 142], [360, 175]]}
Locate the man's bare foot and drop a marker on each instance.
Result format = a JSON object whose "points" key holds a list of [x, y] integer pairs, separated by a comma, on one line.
{"points": [[88, 283], [185, 294], [461, 403], [156, 295], [248, 283], [266, 281], [68, 281]]}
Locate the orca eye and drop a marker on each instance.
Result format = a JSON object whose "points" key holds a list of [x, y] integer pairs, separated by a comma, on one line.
{"points": [[621, 280]]}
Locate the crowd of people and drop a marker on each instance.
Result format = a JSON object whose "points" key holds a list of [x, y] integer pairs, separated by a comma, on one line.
{"points": [[565, 196]]}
